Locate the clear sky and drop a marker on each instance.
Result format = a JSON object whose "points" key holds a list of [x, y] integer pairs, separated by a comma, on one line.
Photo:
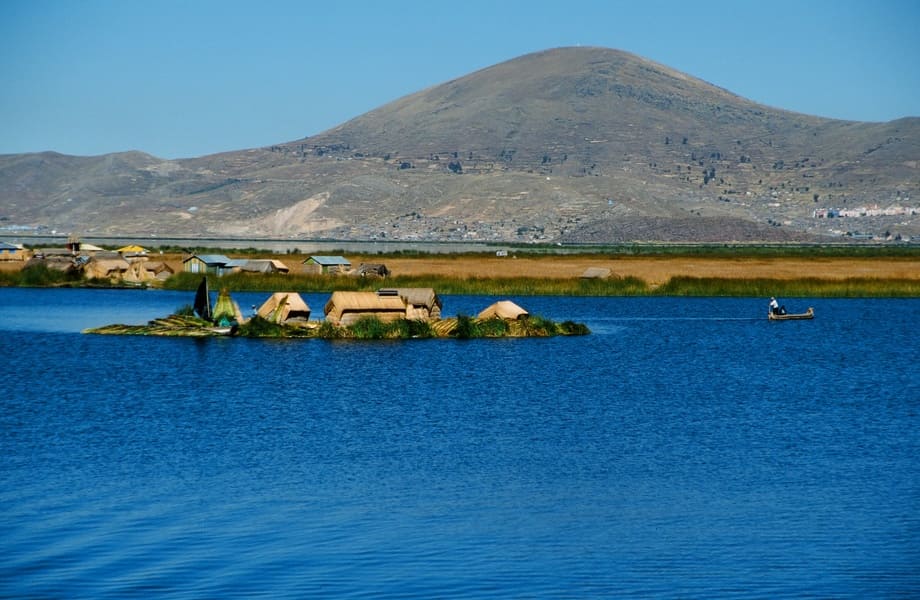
{"points": [[181, 78]]}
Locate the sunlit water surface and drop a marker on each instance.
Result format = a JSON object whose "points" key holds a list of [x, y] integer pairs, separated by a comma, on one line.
{"points": [[686, 448]]}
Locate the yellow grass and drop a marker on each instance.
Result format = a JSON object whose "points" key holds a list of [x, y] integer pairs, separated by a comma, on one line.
{"points": [[654, 270]]}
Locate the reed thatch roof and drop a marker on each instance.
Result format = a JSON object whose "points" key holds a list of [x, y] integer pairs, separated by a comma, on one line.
{"points": [[102, 268], [226, 310], [371, 270], [421, 303], [420, 297], [284, 306], [503, 309], [347, 307], [158, 267]]}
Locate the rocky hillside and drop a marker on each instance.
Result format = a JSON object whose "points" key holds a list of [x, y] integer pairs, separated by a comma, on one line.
{"points": [[570, 144]]}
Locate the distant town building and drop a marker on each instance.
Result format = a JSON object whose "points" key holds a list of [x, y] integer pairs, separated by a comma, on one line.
{"points": [[865, 211]]}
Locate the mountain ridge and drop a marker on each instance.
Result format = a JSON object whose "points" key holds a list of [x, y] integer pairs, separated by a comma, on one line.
{"points": [[567, 144]]}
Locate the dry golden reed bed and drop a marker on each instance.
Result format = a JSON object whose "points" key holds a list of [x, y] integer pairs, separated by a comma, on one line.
{"points": [[654, 270]]}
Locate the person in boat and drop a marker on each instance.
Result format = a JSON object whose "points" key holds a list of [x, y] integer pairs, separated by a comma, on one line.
{"points": [[775, 308]]}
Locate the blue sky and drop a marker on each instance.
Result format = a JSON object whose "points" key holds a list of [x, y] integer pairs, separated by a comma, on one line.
{"points": [[180, 78]]}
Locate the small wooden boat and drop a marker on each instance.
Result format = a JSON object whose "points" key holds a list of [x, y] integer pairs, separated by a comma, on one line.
{"points": [[808, 314]]}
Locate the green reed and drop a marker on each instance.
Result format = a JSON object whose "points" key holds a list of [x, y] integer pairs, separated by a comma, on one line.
{"points": [[511, 286], [39, 275], [852, 287], [868, 287]]}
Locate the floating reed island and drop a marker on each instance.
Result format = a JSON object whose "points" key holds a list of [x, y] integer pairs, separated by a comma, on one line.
{"points": [[394, 313]]}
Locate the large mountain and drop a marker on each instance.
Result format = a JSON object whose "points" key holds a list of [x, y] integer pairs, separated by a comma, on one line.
{"points": [[570, 144]]}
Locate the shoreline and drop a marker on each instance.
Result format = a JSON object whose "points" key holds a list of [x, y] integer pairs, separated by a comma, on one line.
{"points": [[544, 274]]}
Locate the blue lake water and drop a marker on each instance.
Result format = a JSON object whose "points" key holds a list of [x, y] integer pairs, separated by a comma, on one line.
{"points": [[686, 448]]}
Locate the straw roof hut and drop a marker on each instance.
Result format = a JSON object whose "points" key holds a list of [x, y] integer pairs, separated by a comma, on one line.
{"points": [[371, 270], [158, 270], [57, 262], [503, 309], [284, 306], [344, 308], [264, 265], [421, 303], [226, 310], [106, 267]]}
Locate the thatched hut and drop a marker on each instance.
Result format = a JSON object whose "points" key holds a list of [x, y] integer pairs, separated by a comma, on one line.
{"points": [[371, 270], [282, 307], [344, 308], [54, 262], [264, 265], [421, 303], [158, 270], [107, 266], [54, 254], [503, 309], [226, 310]]}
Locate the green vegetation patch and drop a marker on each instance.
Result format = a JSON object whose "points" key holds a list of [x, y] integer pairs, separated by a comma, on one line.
{"points": [[366, 328], [39, 275], [853, 287], [486, 286], [259, 327]]}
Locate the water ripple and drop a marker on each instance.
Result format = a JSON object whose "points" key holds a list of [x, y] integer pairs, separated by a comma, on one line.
{"points": [[670, 454]]}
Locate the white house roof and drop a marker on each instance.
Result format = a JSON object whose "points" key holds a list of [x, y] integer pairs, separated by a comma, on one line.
{"points": [[328, 261]]}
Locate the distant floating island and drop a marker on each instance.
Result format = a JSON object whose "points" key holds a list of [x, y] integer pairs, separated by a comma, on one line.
{"points": [[398, 313]]}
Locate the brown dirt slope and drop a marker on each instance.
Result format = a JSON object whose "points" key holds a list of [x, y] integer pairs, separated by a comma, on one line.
{"points": [[574, 144]]}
